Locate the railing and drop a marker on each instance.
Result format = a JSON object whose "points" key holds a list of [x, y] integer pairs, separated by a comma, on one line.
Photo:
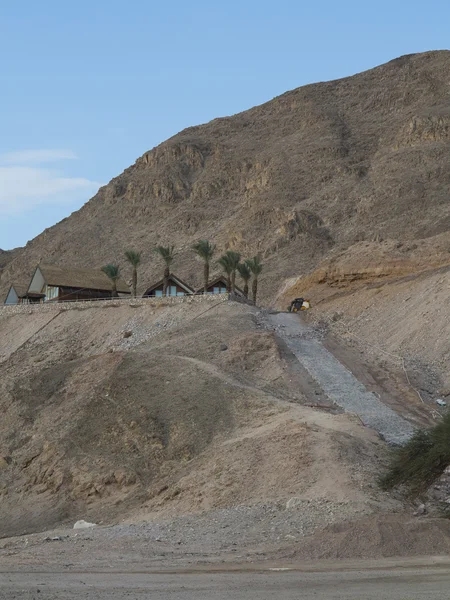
{"points": [[96, 302], [125, 299]]}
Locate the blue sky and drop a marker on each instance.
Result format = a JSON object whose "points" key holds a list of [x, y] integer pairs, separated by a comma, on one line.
{"points": [[88, 86]]}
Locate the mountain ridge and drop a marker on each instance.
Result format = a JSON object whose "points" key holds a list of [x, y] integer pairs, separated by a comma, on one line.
{"points": [[309, 173]]}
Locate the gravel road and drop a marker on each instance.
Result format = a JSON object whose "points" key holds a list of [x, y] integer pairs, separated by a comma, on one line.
{"points": [[338, 383], [360, 582]]}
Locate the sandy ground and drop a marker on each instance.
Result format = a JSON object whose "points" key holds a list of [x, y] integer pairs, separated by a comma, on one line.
{"points": [[427, 579]]}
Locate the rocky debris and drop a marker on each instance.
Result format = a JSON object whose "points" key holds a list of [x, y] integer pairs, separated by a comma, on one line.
{"points": [[338, 383], [127, 334], [421, 511], [438, 493], [253, 529]]}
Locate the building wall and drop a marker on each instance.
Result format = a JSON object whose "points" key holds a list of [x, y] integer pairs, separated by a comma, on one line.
{"points": [[219, 288], [172, 290], [67, 294]]}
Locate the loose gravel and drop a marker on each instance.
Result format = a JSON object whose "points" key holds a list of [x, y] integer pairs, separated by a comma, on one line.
{"points": [[338, 383]]}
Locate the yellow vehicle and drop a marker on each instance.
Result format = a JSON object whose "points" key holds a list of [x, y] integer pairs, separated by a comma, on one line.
{"points": [[299, 304]]}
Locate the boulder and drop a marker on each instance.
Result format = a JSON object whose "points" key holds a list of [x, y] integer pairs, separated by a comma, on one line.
{"points": [[84, 525]]}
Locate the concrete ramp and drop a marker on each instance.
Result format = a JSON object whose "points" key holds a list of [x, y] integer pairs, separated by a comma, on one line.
{"points": [[338, 383]]}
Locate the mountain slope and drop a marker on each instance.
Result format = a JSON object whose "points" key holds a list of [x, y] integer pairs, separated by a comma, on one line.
{"points": [[314, 170], [165, 421]]}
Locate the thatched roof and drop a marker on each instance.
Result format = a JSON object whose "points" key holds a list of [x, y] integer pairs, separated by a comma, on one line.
{"points": [[73, 277]]}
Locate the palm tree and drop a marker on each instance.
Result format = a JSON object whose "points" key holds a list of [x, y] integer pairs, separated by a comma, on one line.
{"points": [[225, 263], [205, 250], [234, 258], [113, 272], [134, 258], [166, 253], [245, 273], [255, 267]]}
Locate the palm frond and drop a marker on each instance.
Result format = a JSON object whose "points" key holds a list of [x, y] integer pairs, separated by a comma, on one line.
{"points": [[254, 265], [204, 249], [112, 271], [226, 264], [244, 271], [133, 257], [166, 253], [234, 258]]}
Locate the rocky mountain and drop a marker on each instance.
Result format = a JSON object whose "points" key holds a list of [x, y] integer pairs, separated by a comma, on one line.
{"points": [[310, 173], [7, 256]]}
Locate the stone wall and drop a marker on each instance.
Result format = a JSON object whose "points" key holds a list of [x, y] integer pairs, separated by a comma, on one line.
{"points": [[88, 304]]}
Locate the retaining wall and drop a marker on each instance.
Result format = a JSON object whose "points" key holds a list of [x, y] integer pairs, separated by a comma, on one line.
{"points": [[88, 304]]}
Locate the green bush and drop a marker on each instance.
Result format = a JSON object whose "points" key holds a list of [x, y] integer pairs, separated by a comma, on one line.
{"points": [[421, 460]]}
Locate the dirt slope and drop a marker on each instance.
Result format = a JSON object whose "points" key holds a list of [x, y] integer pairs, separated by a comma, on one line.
{"points": [[394, 310], [196, 410], [314, 170]]}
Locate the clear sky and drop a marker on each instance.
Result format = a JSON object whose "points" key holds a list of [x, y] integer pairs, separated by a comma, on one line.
{"points": [[88, 86]]}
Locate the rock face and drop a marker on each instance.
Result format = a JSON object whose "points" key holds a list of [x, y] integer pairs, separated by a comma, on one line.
{"points": [[7, 256], [316, 169]]}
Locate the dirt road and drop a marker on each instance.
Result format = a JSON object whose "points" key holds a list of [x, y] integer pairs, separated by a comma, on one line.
{"points": [[360, 581]]}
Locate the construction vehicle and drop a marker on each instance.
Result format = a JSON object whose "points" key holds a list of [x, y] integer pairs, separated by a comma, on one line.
{"points": [[299, 304]]}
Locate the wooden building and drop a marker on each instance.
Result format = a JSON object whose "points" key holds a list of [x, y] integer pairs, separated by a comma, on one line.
{"points": [[59, 284], [176, 287], [218, 286], [17, 294]]}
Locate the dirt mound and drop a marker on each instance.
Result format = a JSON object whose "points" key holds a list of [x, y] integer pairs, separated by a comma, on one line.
{"points": [[315, 169], [379, 536]]}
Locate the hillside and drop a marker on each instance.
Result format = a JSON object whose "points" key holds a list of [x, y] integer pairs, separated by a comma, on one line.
{"points": [[194, 411], [390, 304], [190, 433], [7, 256], [298, 179]]}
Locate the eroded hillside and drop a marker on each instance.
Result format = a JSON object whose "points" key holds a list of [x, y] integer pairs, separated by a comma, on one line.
{"points": [[124, 411], [392, 304]]}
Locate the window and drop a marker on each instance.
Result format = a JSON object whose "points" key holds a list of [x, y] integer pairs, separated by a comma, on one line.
{"points": [[158, 293], [172, 291], [219, 289], [51, 292]]}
